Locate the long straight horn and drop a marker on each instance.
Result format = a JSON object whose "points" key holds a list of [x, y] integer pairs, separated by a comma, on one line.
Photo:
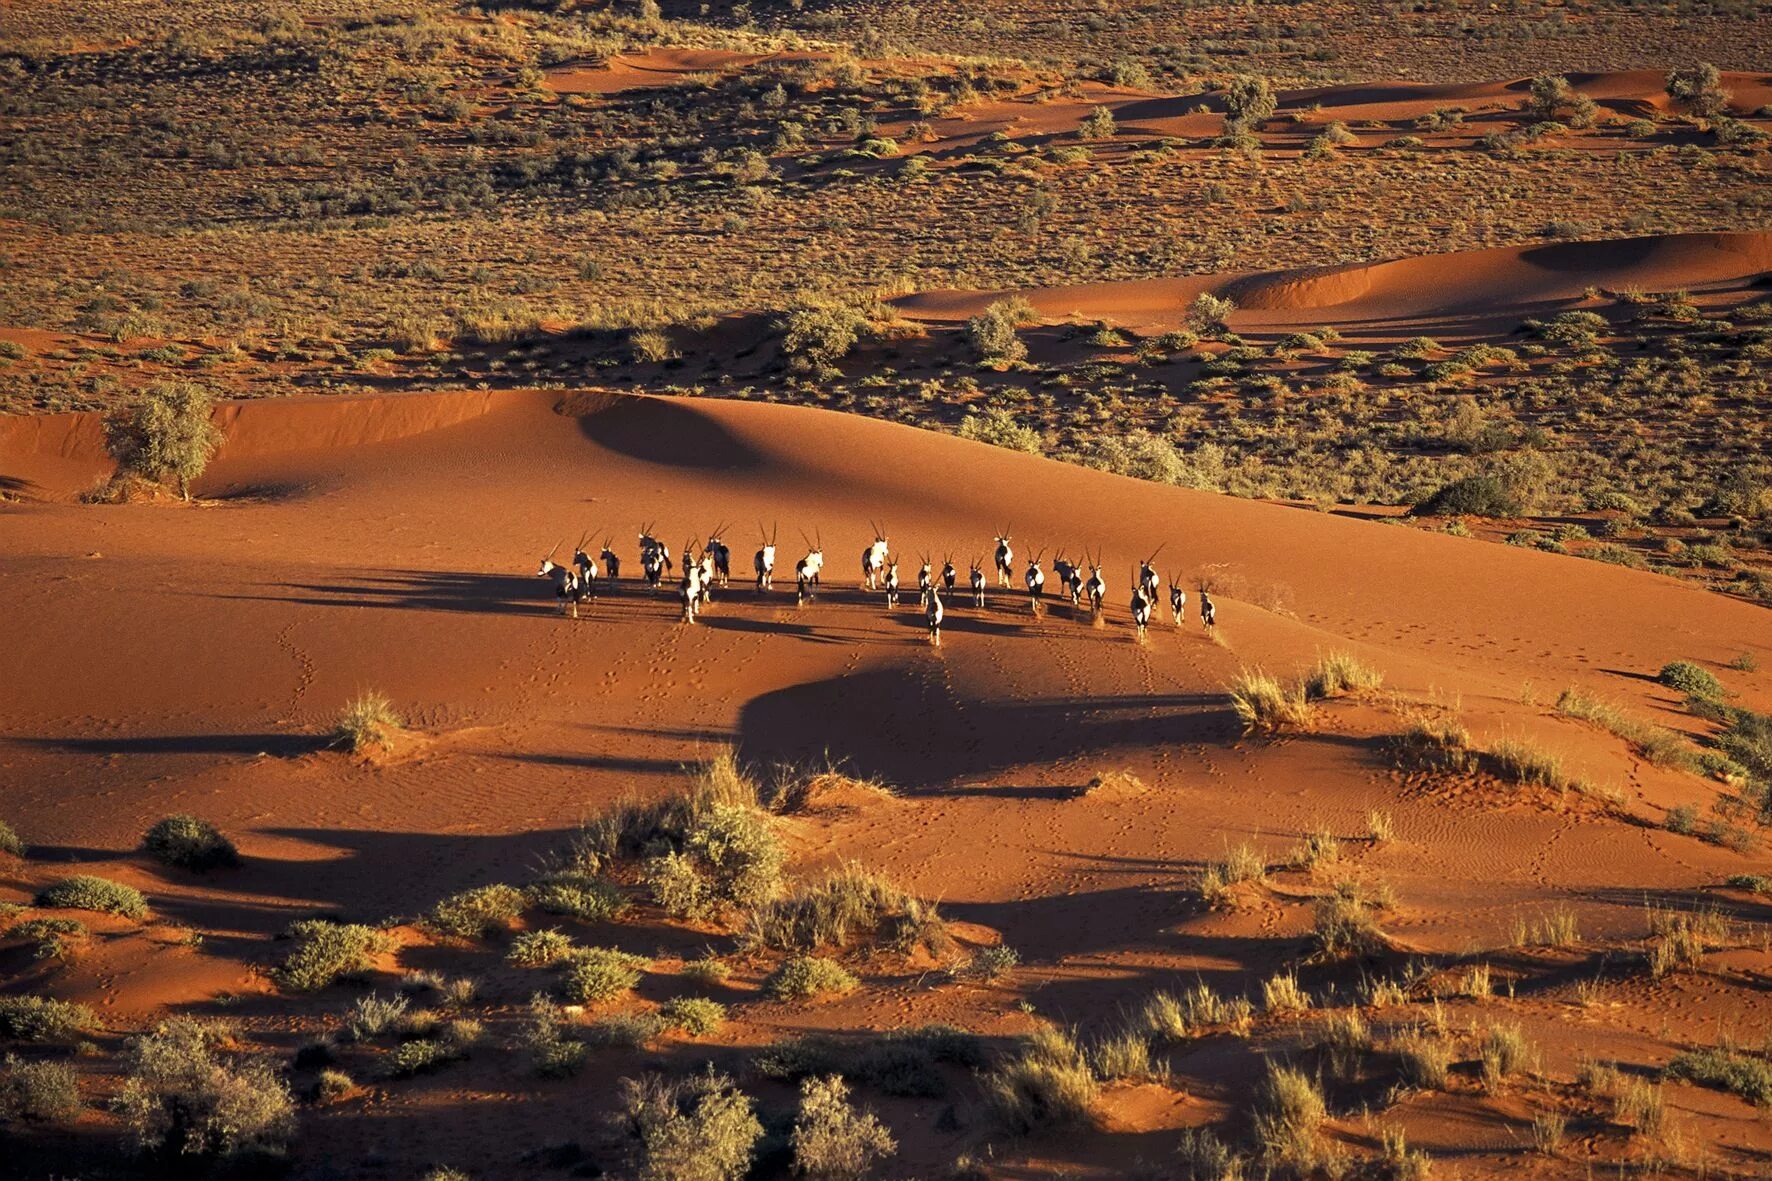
{"points": [[806, 539], [1154, 554], [774, 528]]}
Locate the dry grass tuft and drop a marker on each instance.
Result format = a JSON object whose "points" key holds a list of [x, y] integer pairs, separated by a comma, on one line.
{"points": [[1047, 1087], [1265, 706], [369, 720], [1337, 674]]}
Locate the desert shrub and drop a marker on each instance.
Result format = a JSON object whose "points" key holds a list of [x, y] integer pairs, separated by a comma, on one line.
{"points": [[1345, 1038], [1047, 1086], [1345, 923], [1202, 1156], [1289, 1116], [987, 963], [1728, 1069], [1476, 496], [650, 346], [1698, 89], [1264, 705], [1423, 1061], [474, 913], [1000, 428], [1690, 679], [166, 435], [1506, 1052], [1209, 315], [1125, 1056], [1097, 124], [42, 1019], [809, 976], [1244, 863], [579, 895], [700, 1128], [183, 1096], [1281, 994], [327, 951], [543, 1037], [850, 905], [730, 856], [822, 333], [598, 973], [904, 1062], [367, 721], [540, 949], [1554, 100], [1338, 673], [1523, 762], [86, 892], [1379, 827], [832, 1140], [421, 1056], [992, 333], [45, 1092], [56, 938], [694, 1015], [10, 842], [1679, 941], [190, 843], [1248, 100], [371, 1016]]}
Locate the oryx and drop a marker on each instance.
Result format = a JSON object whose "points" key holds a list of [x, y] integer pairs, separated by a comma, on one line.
{"points": [[1147, 576], [873, 559], [890, 582], [1141, 607], [708, 565], [1005, 555], [692, 591], [721, 555], [1036, 582], [948, 573], [1177, 599], [932, 613], [1062, 572], [808, 568], [1208, 615], [976, 580], [565, 580], [764, 562], [1096, 587], [925, 575], [611, 563], [586, 567], [655, 558]]}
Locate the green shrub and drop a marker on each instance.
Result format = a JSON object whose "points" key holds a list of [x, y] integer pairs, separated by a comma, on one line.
{"points": [[10, 842], [808, 976], [182, 1095], [371, 1016], [368, 720], [1476, 496], [1125, 1056], [1698, 89], [1753, 883], [1747, 1076], [1209, 315], [700, 1128], [1000, 428], [45, 1092], [831, 1139], [1249, 100], [473, 914], [166, 435], [849, 906], [579, 895], [326, 951], [42, 1019], [56, 938], [86, 892], [539, 949], [1097, 124], [421, 1056], [992, 332], [1047, 1086], [189, 843], [551, 1053], [1691, 679], [822, 333], [730, 857], [905, 1062], [598, 973], [694, 1015]]}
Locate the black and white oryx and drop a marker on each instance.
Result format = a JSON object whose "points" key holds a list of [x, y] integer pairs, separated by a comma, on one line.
{"points": [[925, 575], [692, 590], [1177, 599], [1208, 614], [808, 568], [1141, 607], [565, 579], [1096, 587], [889, 581], [1148, 579], [611, 563], [586, 567], [764, 562], [873, 559], [1036, 582], [706, 566], [1005, 556], [932, 612], [720, 555], [948, 573], [975, 579], [655, 558], [1065, 574]]}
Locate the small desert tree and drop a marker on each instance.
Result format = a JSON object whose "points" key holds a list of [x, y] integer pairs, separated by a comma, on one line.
{"points": [[833, 1141], [1248, 101], [1699, 89], [1097, 124], [1209, 314], [1553, 99], [167, 435], [993, 331]]}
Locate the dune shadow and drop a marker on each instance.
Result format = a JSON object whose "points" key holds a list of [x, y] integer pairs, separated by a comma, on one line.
{"points": [[668, 432], [278, 745]]}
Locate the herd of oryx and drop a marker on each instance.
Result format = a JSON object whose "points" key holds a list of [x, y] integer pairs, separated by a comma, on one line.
{"points": [[702, 572]]}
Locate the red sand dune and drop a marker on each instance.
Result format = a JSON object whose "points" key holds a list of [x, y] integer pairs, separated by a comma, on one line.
{"points": [[1501, 280]]}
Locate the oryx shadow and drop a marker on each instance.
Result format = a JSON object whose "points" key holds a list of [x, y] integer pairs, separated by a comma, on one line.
{"points": [[424, 590]]}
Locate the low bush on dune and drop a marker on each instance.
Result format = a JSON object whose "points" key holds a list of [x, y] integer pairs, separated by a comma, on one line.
{"points": [[1433, 744], [86, 892], [42, 1019], [1525, 763], [165, 435], [1691, 679], [832, 1139], [186, 842], [56, 938], [1289, 1115], [1000, 428], [1472, 496], [1266, 706], [852, 905], [807, 976], [1728, 1070], [42, 1092], [1345, 923], [367, 721], [540, 949], [578, 895], [699, 1128], [904, 1062], [1047, 1086], [473, 914], [327, 951], [185, 1096], [993, 332], [9, 841], [729, 857], [1657, 744], [598, 973], [1338, 673], [694, 1015], [1423, 1061]]}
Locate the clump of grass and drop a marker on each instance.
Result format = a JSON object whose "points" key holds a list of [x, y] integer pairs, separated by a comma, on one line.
{"points": [[1753, 883], [86, 892], [1346, 1038], [1476, 982], [1640, 1104], [710, 969], [1266, 706], [1434, 743], [372, 1015], [1657, 744], [1505, 1053], [1345, 922], [1679, 941], [694, 1015], [42, 1092], [1243, 863], [1379, 827], [56, 938], [368, 720], [598, 973], [1728, 1070], [1125, 1056], [1321, 847], [327, 951], [988, 964], [1047, 1086], [332, 1085], [1691, 679], [1337, 674], [1556, 927], [540, 949], [1423, 1061], [1525, 763], [10, 843], [808, 976], [851, 905], [1548, 1131], [187, 842], [1202, 1156], [30, 1018], [473, 914], [1289, 1116], [577, 895], [552, 1054], [1281, 994]]}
